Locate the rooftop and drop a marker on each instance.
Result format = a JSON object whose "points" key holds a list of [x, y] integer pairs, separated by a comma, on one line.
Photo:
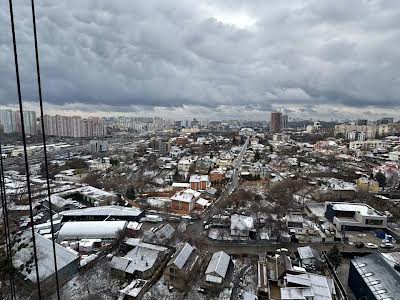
{"points": [[240, 222], [91, 229], [219, 264], [112, 211], [362, 208], [382, 279], [182, 256], [44, 248]]}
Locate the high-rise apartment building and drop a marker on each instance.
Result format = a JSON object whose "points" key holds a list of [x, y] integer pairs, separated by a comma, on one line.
{"points": [[276, 121], [67, 126], [384, 121], [11, 121], [8, 120], [284, 121]]}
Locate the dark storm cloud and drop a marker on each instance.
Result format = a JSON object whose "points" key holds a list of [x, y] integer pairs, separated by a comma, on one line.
{"points": [[213, 54]]}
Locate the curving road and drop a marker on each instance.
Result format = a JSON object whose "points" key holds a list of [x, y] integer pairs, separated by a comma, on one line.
{"points": [[196, 228]]}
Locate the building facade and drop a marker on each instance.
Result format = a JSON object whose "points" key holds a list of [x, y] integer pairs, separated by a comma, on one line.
{"points": [[276, 123]]}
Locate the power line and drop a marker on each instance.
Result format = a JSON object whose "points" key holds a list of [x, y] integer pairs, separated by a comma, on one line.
{"points": [[21, 112], [44, 143], [6, 225]]}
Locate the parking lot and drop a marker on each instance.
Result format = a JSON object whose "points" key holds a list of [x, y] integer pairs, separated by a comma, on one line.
{"points": [[365, 237]]}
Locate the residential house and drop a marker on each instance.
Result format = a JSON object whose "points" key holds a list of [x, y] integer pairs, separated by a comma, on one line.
{"points": [[342, 189], [184, 202], [160, 235], [182, 266], [204, 165], [184, 164], [366, 184], [241, 226], [141, 261], [217, 268], [217, 176], [199, 182]]}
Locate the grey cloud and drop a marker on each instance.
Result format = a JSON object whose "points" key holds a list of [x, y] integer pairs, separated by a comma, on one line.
{"points": [[171, 54]]}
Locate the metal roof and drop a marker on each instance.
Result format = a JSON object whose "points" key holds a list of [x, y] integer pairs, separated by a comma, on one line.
{"points": [[44, 248], [379, 275], [309, 285], [183, 255], [111, 210], [219, 264], [91, 229], [307, 252]]}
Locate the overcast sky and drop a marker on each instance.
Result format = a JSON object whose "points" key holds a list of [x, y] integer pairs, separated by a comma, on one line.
{"points": [[208, 59]]}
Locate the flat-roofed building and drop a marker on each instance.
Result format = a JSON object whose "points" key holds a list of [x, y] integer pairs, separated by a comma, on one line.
{"points": [[354, 216]]}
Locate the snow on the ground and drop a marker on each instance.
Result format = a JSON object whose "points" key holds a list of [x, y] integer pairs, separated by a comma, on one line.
{"points": [[96, 281], [160, 291], [220, 234], [225, 294]]}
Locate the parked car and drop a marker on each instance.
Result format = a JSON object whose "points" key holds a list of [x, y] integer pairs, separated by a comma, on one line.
{"points": [[371, 246], [359, 245], [386, 245]]}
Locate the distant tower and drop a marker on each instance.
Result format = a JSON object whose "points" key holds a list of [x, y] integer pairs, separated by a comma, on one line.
{"points": [[284, 121], [276, 120]]}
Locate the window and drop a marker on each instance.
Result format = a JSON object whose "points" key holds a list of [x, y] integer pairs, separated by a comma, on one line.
{"points": [[373, 222]]}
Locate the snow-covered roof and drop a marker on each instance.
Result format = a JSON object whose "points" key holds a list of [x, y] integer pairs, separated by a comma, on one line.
{"points": [[211, 191], [90, 192], [239, 222], [142, 258], [112, 211], [165, 232], [91, 229], [119, 263], [202, 202], [219, 264], [186, 196], [134, 288], [180, 184], [134, 226], [198, 178], [44, 248], [340, 185]]}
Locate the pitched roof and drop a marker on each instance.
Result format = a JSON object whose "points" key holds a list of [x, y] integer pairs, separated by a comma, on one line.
{"points": [[219, 264], [240, 222], [183, 255], [307, 252]]}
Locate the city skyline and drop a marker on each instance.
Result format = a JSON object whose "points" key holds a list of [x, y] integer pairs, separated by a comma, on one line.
{"points": [[214, 59]]}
